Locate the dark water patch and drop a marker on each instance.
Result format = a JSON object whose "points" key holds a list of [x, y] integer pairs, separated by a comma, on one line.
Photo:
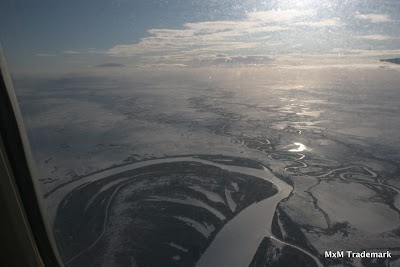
{"points": [[161, 206]]}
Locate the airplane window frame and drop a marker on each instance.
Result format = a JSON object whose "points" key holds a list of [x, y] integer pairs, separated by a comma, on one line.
{"points": [[18, 165]]}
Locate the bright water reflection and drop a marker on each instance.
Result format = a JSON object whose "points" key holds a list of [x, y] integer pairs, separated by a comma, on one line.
{"points": [[300, 148]]}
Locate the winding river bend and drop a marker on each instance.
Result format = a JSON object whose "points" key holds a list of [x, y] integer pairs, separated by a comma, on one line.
{"points": [[237, 242], [235, 230]]}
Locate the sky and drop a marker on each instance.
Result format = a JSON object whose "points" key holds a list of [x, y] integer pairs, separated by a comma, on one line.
{"points": [[66, 35]]}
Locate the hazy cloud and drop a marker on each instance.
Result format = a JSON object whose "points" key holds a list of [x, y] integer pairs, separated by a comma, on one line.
{"points": [[379, 53], [374, 18], [233, 60], [109, 65], [376, 37], [280, 15], [335, 22], [269, 34], [220, 36], [71, 52], [87, 51], [45, 55]]}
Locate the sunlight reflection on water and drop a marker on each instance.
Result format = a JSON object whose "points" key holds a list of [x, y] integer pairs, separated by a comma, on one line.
{"points": [[300, 148]]}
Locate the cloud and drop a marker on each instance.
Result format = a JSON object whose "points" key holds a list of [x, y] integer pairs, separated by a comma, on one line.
{"points": [[280, 15], [262, 34], [160, 65], [374, 18], [222, 36], [335, 22], [71, 52], [351, 60], [367, 53], [109, 65], [367, 56], [87, 51], [45, 55], [221, 59], [377, 37]]}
